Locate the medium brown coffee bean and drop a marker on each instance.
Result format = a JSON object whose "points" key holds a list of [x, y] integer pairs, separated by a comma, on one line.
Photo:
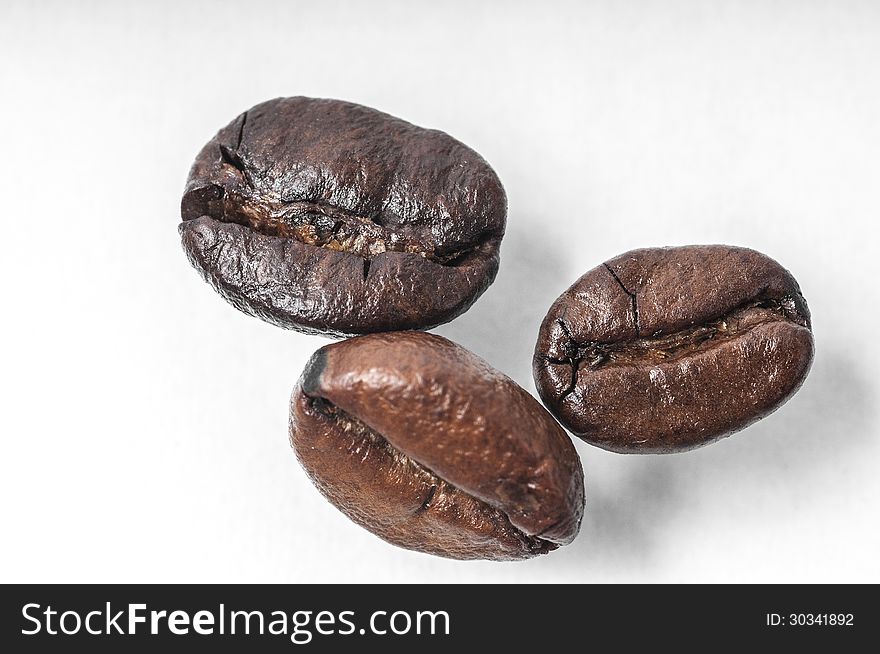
{"points": [[329, 217], [666, 349], [424, 444]]}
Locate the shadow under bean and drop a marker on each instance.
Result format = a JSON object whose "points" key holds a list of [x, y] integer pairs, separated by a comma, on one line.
{"points": [[633, 501], [502, 327]]}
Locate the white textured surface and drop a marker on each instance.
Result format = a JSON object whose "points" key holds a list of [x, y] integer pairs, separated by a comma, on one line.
{"points": [[144, 420]]}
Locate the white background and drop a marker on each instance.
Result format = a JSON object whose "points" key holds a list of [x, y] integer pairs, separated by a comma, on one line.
{"points": [[144, 421]]}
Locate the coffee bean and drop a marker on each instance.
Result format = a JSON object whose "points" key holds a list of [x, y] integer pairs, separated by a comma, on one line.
{"points": [[666, 349], [330, 217], [424, 444]]}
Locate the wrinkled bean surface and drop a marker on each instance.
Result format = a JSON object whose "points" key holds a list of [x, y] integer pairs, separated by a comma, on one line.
{"points": [[666, 349], [424, 444], [329, 217]]}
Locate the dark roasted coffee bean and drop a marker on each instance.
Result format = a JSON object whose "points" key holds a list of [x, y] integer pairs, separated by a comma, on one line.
{"points": [[329, 217], [666, 349], [424, 444]]}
